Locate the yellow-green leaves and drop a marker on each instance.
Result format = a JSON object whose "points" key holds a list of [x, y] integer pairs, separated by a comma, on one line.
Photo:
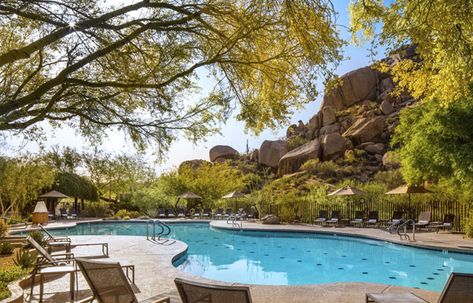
{"points": [[442, 32]]}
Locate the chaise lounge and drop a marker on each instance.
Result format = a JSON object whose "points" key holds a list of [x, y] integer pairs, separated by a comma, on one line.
{"points": [[457, 290], [195, 292]]}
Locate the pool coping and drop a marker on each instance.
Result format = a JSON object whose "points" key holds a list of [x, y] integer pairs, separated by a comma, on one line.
{"points": [[281, 228], [467, 251]]}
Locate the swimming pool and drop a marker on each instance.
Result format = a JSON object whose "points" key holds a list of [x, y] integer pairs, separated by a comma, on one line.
{"points": [[287, 258]]}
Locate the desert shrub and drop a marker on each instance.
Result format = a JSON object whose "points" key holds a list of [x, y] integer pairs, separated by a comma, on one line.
{"points": [[9, 274], [15, 219], [25, 258], [97, 210], [469, 226], [6, 248], [3, 228], [323, 169], [295, 142], [38, 237], [124, 214]]}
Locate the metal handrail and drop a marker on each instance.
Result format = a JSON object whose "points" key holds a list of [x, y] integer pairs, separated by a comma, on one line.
{"points": [[165, 230], [405, 235]]}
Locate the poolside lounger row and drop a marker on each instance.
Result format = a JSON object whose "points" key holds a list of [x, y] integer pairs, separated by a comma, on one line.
{"points": [[206, 213], [359, 220]]}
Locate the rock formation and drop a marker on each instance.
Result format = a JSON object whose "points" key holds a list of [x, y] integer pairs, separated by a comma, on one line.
{"points": [[222, 153], [271, 152]]}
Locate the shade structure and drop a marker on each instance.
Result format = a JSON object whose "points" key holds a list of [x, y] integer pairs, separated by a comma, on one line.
{"points": [[347, 191], [53, 194], [234, 194], [408, 189], [189, 195]]}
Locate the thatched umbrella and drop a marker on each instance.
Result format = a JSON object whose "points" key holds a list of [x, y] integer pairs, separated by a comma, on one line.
{"points": [[187, 195], [234, 195], [348, 191], [408, 189], [52, 197]]}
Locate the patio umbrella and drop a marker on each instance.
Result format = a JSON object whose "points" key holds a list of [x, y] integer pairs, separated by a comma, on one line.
{"points": [[187, 195], [347, 191], [52, 197], [234, 195], [408, 189]]}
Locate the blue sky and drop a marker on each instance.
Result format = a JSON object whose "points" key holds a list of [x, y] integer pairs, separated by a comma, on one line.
{"points": [[232, 133]]}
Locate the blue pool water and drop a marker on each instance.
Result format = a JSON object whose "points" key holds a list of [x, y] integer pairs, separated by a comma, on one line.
{"points": [[283, 258]]}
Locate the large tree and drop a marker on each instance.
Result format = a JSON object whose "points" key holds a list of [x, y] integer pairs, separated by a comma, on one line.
{"points": [[96, 65], [441, 30]]}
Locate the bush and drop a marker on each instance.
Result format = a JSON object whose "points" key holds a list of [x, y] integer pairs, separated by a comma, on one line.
{"points": [[323, 169], [98, 210], [295, 142], [469, 226], [15, 219], [123, 214], [3, 228], [9, 274], [6, 248], [25, 258], [38, 237]]}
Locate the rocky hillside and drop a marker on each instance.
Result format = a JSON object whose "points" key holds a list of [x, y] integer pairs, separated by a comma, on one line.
{"points": [[352, 129]]}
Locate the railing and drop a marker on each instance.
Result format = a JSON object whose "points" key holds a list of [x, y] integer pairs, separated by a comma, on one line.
{"points": [[403, 235], [164, 230]]}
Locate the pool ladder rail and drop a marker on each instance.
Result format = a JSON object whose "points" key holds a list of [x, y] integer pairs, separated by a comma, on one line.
{"points": [[234, 218], [401, 230], [158, 237]]}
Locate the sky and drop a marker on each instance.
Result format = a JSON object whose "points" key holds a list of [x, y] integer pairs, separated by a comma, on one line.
{"points": [[232, 133]]}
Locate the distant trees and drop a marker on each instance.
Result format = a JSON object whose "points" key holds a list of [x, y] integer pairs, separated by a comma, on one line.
{"points": [[97, 65]]}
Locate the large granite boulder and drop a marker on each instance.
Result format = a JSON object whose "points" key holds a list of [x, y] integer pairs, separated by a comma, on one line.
{"points": [[356, 86], [222, 152], [386, 107], [377, 148], [291, 161], [328, 115], [334, 145], [366, 130], [270, 219], [271, 152], [194, 164], [329, 129]]}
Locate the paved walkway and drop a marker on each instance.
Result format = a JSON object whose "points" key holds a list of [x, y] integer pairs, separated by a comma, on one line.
{"points": [[155, 272]]}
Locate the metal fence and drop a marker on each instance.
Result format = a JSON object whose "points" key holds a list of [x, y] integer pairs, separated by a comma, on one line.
{"points": [[307, 210]]}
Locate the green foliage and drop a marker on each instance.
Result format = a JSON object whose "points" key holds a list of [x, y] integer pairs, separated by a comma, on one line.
{"points": [[126, 214], [441, 32], [296, 141], [390, 178], [25, 258], [15, 219], [436, 141], [126, 74], [469, 226], [323, 169], [38, 236], [3, 228], [98, 210], [23, 178], [9, 274], [149, 199], [6, 248], [77, 186]]}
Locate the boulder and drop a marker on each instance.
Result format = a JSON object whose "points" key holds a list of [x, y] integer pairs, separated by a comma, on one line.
{"points": [[328, 116], [334, 146], [291, 161], [314, 122], [366, 129], [301, 129], [271, 152], [222, 152], [386, 107], [377, 148], [387, 84], [194, 164], [254, 156], [291, 131], [355, 86], [270, 219], [329, 129]]}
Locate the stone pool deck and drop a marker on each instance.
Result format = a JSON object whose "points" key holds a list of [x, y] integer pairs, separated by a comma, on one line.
{"points": [[155, 272]]}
